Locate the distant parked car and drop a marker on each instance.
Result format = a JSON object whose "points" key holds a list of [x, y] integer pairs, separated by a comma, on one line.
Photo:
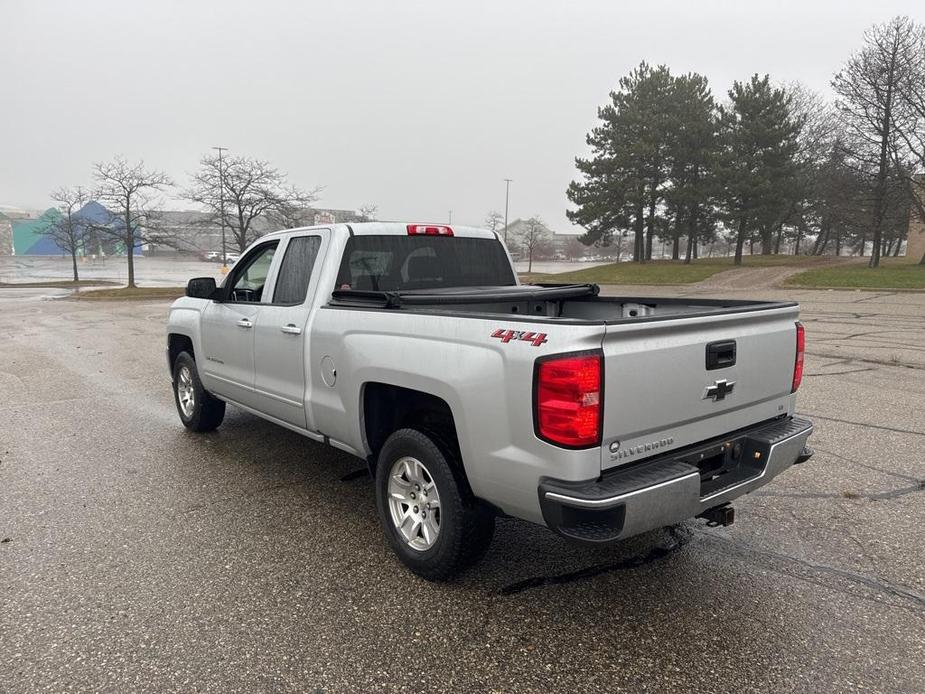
{"points": [[210, 256], [231, 258]]}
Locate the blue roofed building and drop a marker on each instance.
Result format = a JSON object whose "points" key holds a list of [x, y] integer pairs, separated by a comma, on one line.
{"points": [[31, 237]]}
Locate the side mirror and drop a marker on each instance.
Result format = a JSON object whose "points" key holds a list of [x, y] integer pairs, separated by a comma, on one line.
{"points": [[201, 288]]}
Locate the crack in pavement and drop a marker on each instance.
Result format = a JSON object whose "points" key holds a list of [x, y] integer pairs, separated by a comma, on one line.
{"points": [[840, 373], [836, 362], [864, 425], [845, 318], [678, 538], [874, 297], [871, 344], [890, 494], [906, 594], [896, 493], [852, 461], [776, 561], [881, 332], [918, 367], [879, 342]]}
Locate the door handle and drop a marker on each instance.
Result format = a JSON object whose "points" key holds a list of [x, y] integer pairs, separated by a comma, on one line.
{"points": [[244, 323], [291, 329], [721, 354]]}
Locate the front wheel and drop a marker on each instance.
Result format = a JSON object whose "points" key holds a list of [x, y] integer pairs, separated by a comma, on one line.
{"points": [[199, 410], [430, 519]]}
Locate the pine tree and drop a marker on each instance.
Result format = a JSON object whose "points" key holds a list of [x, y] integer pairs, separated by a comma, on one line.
{"points": [[692, 152], [757, 164], [623, 181]]}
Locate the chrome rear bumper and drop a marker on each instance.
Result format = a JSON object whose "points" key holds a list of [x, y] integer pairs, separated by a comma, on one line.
{"points": [[669, 489]]}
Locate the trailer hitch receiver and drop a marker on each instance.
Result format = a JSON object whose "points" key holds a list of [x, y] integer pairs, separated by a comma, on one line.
{"points": [[723, 515]]}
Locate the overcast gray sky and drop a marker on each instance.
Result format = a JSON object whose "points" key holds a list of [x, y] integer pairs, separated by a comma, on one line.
{"points": [[420, 107]]}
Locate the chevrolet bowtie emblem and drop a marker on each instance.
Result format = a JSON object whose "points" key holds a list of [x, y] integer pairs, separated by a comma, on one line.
{"points": [[719, 390]]}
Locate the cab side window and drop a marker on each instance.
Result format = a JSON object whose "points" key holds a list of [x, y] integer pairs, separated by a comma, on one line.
{"points": [[296, 270], [249, 281]]}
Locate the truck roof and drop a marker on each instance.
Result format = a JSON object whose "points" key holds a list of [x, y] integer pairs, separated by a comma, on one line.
{"points": [[394, 229]]}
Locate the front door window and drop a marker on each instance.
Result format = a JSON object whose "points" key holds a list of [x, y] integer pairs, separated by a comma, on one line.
{"points": [[249, 282]]}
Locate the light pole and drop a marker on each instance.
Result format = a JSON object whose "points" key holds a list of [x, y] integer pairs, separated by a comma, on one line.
{"points": [[507, 196], [221, 204], [451, 217]]}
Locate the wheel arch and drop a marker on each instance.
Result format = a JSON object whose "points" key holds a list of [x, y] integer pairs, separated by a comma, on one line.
{"points": [[177, 343], [385, 408]]}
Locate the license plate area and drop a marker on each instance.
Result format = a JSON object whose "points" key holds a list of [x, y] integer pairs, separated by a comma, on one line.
{"points": [[725, 463]]}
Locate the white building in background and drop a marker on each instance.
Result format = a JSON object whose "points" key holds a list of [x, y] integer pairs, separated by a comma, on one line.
{"points": [[915, 240], [6, 235], [8, 215], [14, 212]]}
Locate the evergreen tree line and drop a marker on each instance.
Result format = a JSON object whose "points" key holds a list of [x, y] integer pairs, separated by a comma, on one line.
{"points": [[774, 167]]}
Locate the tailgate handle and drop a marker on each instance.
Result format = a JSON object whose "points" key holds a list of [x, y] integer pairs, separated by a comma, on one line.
{"points": [[721, 354]]}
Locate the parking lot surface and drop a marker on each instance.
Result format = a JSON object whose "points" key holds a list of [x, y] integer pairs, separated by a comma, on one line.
{"points": [[138, 557]]}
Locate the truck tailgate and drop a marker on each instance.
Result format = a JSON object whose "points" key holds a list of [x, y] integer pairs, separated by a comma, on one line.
{"points": [[659, 393]]}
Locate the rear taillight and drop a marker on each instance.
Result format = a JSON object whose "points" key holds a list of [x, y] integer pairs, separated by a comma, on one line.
{"points": [[429, 230], [798, 362], [567, 400]]}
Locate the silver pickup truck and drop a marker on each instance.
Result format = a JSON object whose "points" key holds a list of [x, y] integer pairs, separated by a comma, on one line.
{"points": [[471, 395]]}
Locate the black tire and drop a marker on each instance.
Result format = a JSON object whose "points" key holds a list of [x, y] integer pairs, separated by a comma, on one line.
{"points": [[465, 526], [206, 411]]}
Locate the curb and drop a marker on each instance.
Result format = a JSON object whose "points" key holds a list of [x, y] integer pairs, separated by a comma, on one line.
{"points": [[900, 290]]}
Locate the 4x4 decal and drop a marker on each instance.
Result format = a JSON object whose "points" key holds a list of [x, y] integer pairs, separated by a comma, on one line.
{"points": [[535, 339]]}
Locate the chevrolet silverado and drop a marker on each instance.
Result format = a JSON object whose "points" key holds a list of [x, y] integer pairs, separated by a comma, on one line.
{"points": [[471, 395]]}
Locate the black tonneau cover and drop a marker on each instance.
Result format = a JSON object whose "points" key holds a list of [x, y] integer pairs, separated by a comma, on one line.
{"points": [[576, 304], [463, 295]]}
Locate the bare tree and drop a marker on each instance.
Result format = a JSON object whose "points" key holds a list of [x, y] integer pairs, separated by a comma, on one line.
{"points": [[819, 119], [533, 239], [253, 189], [575, 249], [286, 214], [69, 232], [870, 89], [494, 221], [133, 191], [838, 208], [808, 212], [368, 212]]}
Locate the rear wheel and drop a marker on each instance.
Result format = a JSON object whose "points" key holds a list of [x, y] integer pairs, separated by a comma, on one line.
{"points": [[199, 410], [430, 519]]}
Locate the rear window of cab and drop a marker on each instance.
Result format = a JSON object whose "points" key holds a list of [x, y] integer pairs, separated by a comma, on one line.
{"points": [[394, 263]]}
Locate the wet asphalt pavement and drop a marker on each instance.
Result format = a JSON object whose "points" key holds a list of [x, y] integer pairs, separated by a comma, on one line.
{"points": [[138, 557]]}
